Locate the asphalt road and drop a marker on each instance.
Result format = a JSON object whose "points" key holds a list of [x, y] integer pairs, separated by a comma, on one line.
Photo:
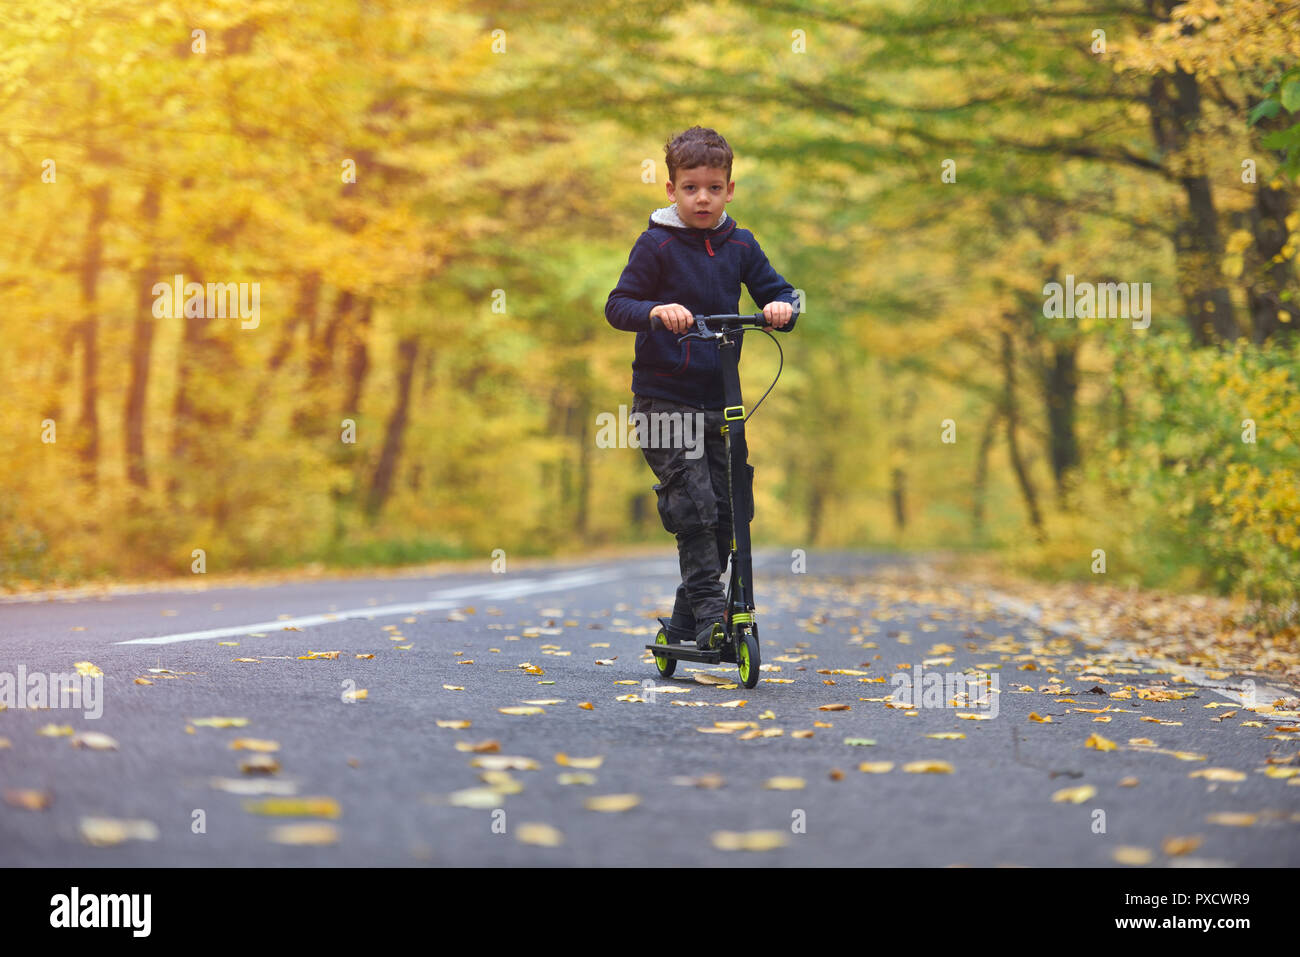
{"points": [[395, 774]]}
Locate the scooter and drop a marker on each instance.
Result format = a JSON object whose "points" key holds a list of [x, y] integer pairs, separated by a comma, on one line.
{"points": [[741, 644]]}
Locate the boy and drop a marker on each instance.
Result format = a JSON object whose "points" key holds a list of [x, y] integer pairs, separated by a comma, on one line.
{"points": [[691, 260]]}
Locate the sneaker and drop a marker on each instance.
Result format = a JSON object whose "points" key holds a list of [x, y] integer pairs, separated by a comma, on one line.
{"points": [[711, 636]]}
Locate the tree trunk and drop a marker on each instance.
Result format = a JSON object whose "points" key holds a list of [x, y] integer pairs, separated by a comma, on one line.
{"points": [[982, 473], [382, 482], [358, 359], [1010, 415], [142, 331], [88, 332], [1061, 388], [1175, 104]]}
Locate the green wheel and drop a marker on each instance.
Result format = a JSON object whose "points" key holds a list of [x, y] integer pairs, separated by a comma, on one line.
{"points": [[747, 658], [665, 664]]}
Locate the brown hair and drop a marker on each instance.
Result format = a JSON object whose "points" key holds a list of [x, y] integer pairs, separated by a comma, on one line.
{"points": [[697, 147]]}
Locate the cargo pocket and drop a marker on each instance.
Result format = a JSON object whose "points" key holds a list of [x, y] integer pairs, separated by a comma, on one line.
{"points": [[680, 509]]}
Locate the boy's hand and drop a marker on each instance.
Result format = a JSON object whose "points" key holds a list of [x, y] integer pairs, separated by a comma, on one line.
{"points": [[676, 318], [778, 314]]}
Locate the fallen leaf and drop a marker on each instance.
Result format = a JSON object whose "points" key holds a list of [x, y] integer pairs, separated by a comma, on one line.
{"points": [[748, 840], [254, 744], [477, 798], [1218, 774], [589, 763], [833, 707], [505, 762], [731, 704], [1075, 795], [546, 701], [312, 655], [928, 767], [1232, 819], [1279, 772], [1128, 782], [587, 706], [479, 747], [219, 722], [800, 734], [707, 679], [610, 803], [295, 807], [453, 688], [95, 741], [1099, 743], [606, 661], [143, 681], [259, 764], [576, 777], [361, 694], [55, 730], [107, 832], [707, 781], [538, 835], [1136, 856], [28, 800], [87, 669], [306, 835], [946, 735], [1178, 846], [784, 784], [1035, 716], [457, 723], [876, 767]]}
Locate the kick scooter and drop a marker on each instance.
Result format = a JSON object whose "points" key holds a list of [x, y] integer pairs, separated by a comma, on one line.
{"points": [[741, 644]]}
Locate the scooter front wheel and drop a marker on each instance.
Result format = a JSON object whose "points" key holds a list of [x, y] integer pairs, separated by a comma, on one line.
{"points": [[747, 657], [664, 663]]}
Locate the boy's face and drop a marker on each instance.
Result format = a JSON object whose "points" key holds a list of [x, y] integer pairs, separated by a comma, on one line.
{"points": [[700, 195]]}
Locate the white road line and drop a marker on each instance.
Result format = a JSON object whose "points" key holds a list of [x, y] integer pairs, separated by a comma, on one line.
{"points": [[449, 598], [1263, 694]]}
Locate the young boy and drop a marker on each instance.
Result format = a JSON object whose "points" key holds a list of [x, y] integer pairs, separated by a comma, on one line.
{"points": [[691, 260]]}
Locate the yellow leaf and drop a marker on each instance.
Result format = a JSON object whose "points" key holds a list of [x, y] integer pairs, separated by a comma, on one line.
{"points": [[143, 681], [458, 723], [305, 835], [576, 777], [479, 747], [1278, 772], [1035, 716], [505, 762], [564, 760], [946, 735], [453, 687], [1178, 846], [296, 807], [1232, 819], [86, 668], [801, 734], [360, 694], [106, 832], [587, 706], [219, 722], [784, 784], [259, 764], [54, 730], [876, 767], [731, 704], [538, 835], [612, 803], [28, 800], [928, 767], [833, 707], [254, 744], [1075, 795], [1101, 744], [481, 799], [1218, 774], [748, 840], [1137, 856]]}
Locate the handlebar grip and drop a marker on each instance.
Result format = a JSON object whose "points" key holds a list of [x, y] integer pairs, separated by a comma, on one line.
{"points": [[655, 322]]}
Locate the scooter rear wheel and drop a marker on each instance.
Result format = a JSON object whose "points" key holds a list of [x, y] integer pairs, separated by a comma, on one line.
{"points": [[665, 664]]}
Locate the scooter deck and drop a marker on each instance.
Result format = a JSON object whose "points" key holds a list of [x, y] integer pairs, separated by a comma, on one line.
{"points": [[687, 653]]}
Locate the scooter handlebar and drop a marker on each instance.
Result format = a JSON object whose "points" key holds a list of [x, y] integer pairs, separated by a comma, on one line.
{"points": [[721, 321]]}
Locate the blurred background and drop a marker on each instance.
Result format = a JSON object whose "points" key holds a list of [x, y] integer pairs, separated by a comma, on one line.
{"points": [[434, 200]]}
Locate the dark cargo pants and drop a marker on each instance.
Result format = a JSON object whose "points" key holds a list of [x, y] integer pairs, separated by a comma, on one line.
{"points": [[694, 506]]}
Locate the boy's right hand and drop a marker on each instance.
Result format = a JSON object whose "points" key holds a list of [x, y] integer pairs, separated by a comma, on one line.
{"points": [[675, 318]]}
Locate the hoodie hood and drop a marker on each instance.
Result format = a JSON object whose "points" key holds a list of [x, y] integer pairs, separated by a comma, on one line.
{"points": [[668, 216]]}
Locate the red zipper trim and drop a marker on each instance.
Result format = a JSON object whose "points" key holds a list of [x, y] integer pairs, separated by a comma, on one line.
{"points": [[673, 375], [710, 249]]}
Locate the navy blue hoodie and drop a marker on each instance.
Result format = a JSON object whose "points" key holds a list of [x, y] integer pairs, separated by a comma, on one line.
{"points": [[701, 270]]}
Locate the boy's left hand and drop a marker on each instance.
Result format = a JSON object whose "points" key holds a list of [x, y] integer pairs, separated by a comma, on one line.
{"points": [[778, 314]]}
